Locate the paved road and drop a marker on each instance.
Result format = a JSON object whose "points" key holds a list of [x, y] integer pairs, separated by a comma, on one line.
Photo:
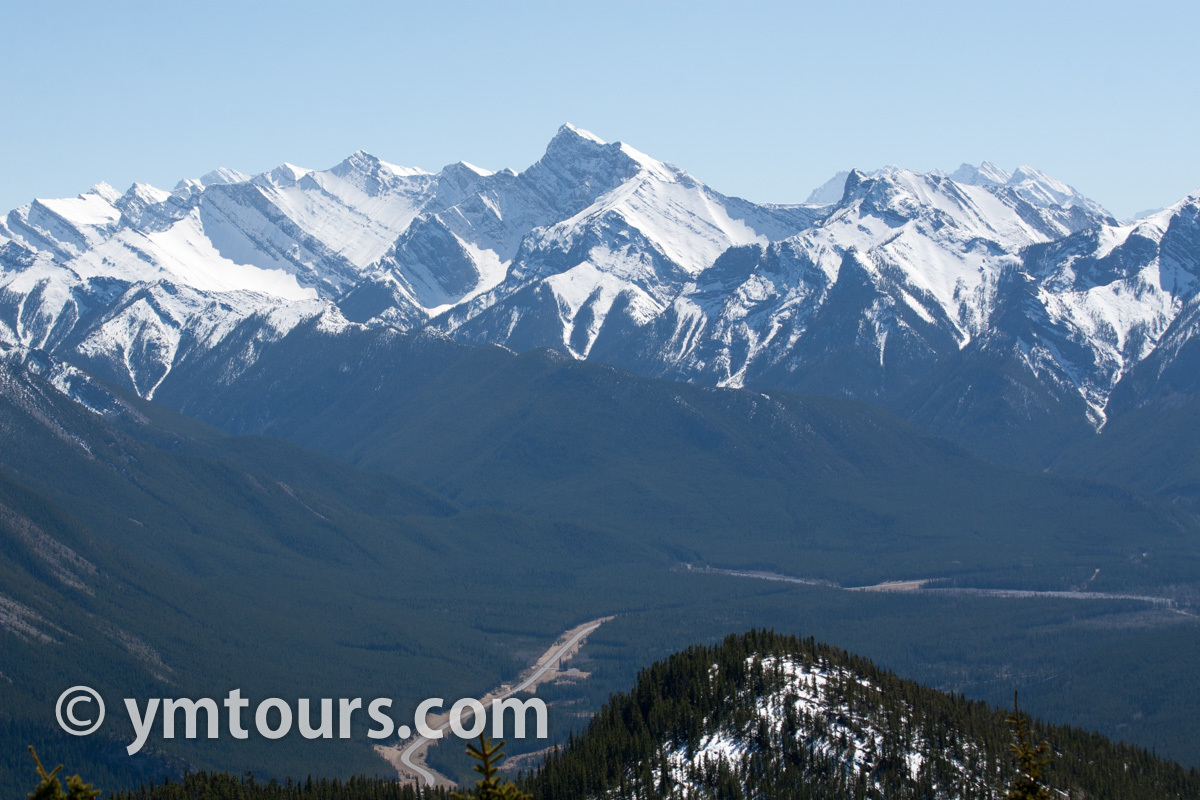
{"points": [[421, 742]]}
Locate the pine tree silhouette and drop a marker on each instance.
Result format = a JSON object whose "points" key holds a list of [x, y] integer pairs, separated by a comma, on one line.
{"points": [[1031, 761], [489, 787], [51, 788]]}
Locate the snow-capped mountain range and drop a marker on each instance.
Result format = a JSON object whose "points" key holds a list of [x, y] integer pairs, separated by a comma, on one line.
{"points": [[875, 288]]}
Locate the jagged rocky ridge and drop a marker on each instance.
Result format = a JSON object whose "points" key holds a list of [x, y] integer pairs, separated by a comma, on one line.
{"points": [[942, 297]]}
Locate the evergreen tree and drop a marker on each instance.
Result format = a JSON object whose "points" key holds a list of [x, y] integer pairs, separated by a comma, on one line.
{"points": [[1031, 761], [489, 787], [51, 788]]}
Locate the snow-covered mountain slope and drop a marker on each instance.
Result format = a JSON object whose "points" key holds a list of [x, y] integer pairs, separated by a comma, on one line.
{"points": [[597, 249], [68, 226], [129, 284], [1134, 293], [134, 325], [1034, 186], [138, 282], [133, 284], [903, 272], [539, 258], [1112, 293]]}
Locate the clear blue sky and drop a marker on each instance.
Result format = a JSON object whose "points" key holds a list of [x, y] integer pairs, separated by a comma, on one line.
{"points": [[761, 100]]}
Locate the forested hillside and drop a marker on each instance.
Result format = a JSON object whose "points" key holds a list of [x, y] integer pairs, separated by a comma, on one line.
{"points": [[768, 716]]}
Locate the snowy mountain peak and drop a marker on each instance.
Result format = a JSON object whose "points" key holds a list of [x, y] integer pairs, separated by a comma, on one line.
{"points": [[850, 188], [1028, 173], [1043, 191], [461, 169], [892, 188], [986, 174], [364, 163], [1033, 186], [830, 191], [223, 176], [574, 130], [581, 157], [1056, 190], [358, 161], [93, 208], [146, 193], [139, 189], [284, 175], [571, 143], [105, 191], [576, 168], [141, 203], [480, 171]]}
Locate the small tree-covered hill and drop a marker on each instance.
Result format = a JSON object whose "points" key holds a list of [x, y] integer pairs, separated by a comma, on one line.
{"points": [[768, 716]]}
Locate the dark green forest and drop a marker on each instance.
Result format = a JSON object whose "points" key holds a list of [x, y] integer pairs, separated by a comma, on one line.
{"points": [[201, 561]]}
